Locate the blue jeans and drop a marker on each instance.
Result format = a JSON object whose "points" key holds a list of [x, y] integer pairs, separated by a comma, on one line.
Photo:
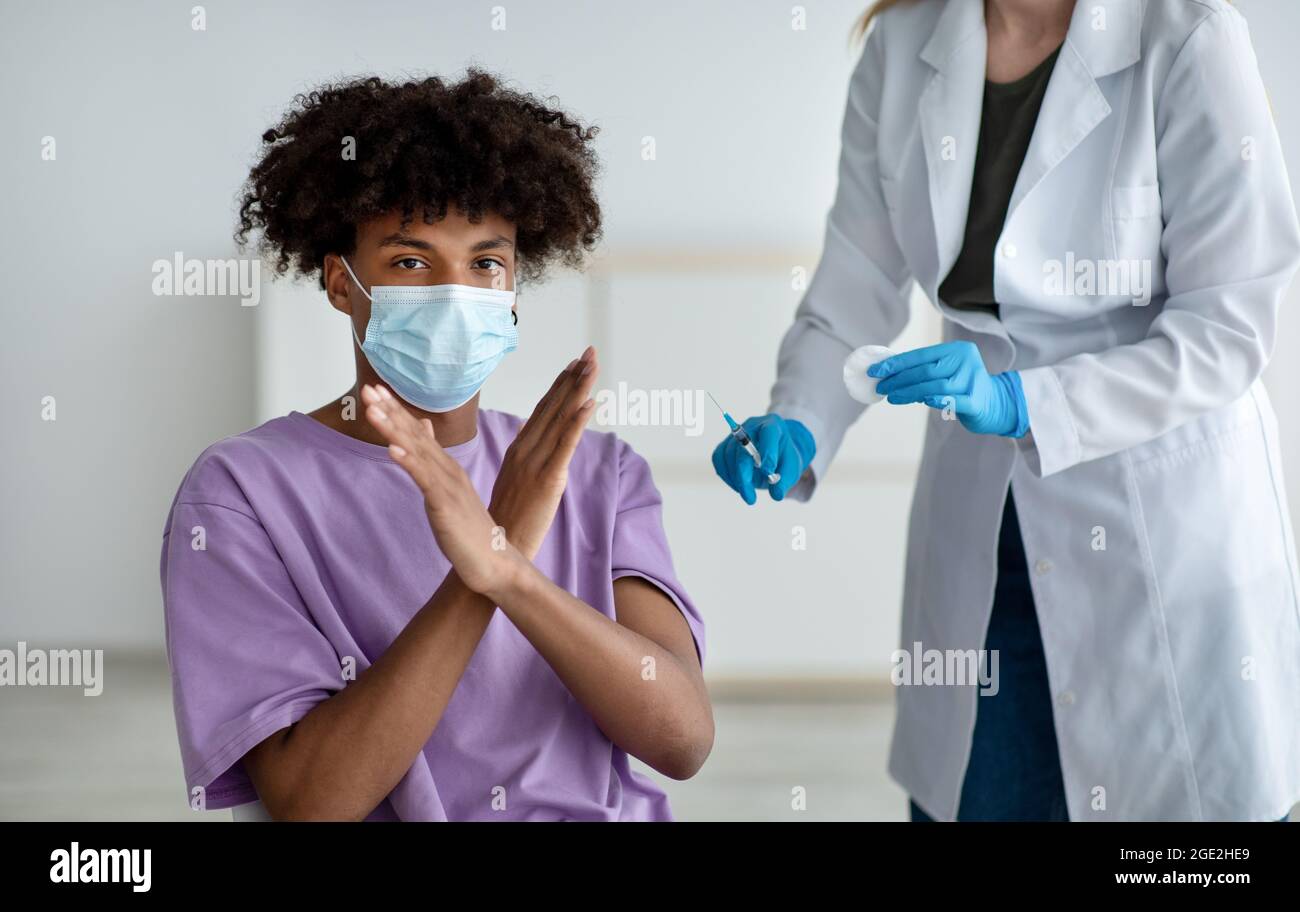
{"points": [[1014, 771]]}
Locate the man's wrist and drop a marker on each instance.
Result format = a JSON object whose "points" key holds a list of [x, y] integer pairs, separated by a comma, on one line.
{"points": [[518, 576]]}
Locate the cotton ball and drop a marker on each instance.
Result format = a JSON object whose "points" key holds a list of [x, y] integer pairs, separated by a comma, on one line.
{"points": [[860, 386]]}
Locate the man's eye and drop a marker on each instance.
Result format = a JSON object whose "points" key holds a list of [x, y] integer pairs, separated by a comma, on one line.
{"points": [[489, 264], [410, 263]]}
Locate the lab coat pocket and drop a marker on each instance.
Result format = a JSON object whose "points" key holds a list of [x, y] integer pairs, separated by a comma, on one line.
{"points": [[1216, 533], [1138, 226], [1213, 517]]}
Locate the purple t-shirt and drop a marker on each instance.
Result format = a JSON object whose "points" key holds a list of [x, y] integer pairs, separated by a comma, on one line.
{"points": [[292, 548]]}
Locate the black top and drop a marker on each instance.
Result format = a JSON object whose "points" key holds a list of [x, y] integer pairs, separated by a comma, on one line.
{"points": [[1010, 112]]}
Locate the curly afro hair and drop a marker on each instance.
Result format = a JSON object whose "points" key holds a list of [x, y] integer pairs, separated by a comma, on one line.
{"points": [[422, 147]]}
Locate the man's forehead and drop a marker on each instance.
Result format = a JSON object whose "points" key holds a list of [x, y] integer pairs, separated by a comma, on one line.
{"points": [[490, 232]]}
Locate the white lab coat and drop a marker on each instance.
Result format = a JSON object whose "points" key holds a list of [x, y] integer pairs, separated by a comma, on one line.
{"points": [[1174, 653]]}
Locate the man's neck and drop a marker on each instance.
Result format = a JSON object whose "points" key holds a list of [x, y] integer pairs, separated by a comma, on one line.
{"points": [[346, 414]]}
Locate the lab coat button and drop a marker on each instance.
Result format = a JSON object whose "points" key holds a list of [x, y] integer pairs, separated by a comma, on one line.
{"points": [[1043, 566], [1065, 698], [1009, 250]]}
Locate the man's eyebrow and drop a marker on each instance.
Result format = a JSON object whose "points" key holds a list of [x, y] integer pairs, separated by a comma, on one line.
{"points": [[405, 240], [495, 243]]}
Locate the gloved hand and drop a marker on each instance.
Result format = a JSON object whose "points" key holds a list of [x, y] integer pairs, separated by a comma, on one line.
{"points": [[954, 374], [785, 446]]}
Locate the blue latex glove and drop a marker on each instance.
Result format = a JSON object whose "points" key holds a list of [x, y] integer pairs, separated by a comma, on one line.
{"points": [[954, 374], [785, 446]]}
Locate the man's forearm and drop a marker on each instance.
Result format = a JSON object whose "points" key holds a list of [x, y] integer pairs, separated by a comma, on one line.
{"points": [[342, 758], [655, 717]]}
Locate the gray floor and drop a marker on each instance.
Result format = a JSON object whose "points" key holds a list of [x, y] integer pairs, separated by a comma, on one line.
{"points": [[832, 751], [64, 756]]}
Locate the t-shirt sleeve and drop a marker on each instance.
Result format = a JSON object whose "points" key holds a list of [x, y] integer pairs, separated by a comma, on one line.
{"points": [[640, 544], [246, 658]]}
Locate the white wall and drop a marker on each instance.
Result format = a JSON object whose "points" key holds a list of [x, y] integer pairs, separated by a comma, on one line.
{"points": [[156, 125]]}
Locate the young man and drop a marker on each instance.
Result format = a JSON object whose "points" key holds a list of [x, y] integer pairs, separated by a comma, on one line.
{"points": [[352, 633]]}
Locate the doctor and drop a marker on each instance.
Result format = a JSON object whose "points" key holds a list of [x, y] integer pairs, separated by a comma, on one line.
{"points": [[1094, 198]]}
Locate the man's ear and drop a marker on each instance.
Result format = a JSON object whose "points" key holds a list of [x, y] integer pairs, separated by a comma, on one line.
{"points": [[338, 284]]}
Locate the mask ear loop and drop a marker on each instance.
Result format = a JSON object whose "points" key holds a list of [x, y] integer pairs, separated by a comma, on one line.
{"points": [[348, 267], [357, 282]]}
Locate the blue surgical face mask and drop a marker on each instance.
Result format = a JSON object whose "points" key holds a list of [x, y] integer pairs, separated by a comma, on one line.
{"points": [[435, 345]]}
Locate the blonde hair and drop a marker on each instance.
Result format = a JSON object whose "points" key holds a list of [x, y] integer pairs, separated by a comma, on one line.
{"points": [[863, 23]]}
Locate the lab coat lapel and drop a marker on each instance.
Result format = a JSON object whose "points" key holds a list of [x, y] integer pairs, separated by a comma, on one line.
{"points": [[950, 110], [1104, 37]]}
